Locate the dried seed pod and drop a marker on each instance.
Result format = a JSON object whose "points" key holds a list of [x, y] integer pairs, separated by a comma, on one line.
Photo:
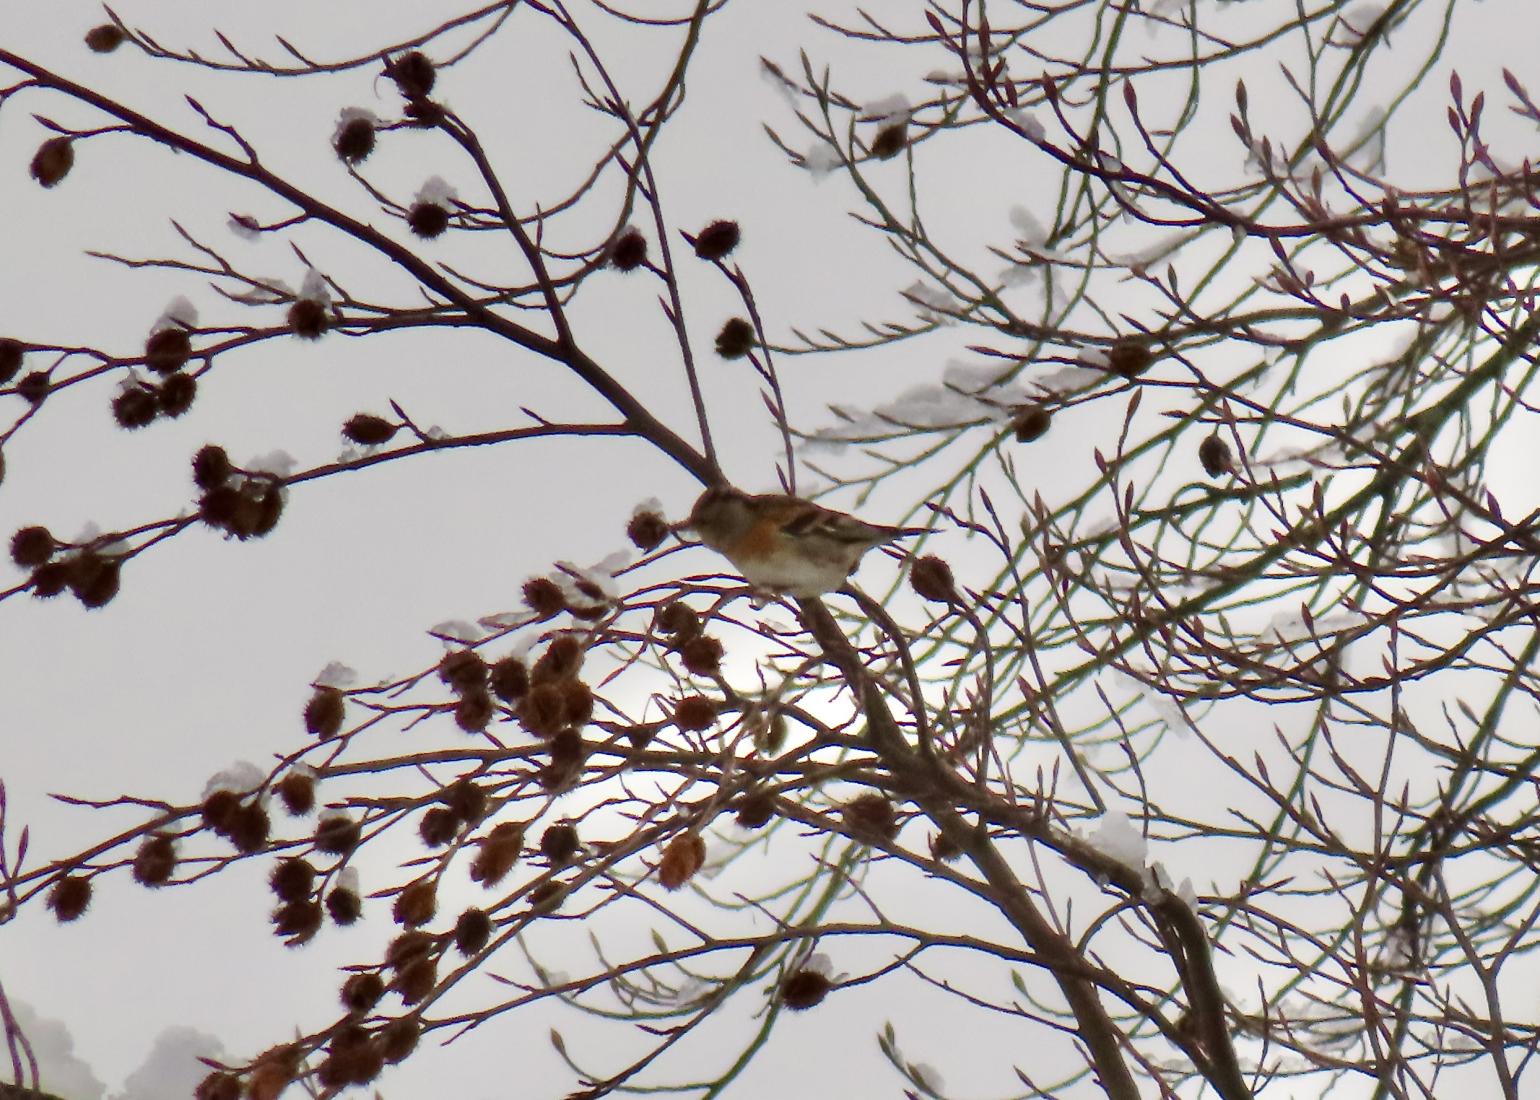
{"points": [[559, 843], [34, 387], [438, 827], [682, 857], [49, 579], [755, 809], [368, 429], [694, 713], [324, 713], [355, 139], [175, 395], [543, 711], [344, 905], [69, 897], [219, 808], [134, 407], [804, 988], [53, 161], [361, 992], [890, 140], [414, 74], [211, 467], [474, 711], [717, 240], [473, 930], [500, 850], [309, 318], [561, 659], [398, 1039], [1214, 453], [105, 39], [416, 980], [11, 357], [248, 828], [94, 578], [701, 655], [293, 879], [407, 948], [870, 818], [463, 670], [297, 921], [931, 579], [218, 1085], [1129, 358], [416, 905], [577, 701], [566, 763], [647, 530], [427, 219], [337, 833], [32, 546], [735, 339], [296, 791], [544, 597], [509, 679], [628, 251], [1031, 422], [167, 350], [466, 800], [945, 849], [155, 861]]}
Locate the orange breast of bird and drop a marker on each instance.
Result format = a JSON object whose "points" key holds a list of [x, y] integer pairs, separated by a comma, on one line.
{"points": [[757, 542]]}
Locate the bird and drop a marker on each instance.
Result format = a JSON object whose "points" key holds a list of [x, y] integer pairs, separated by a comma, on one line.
{"points": [[785, 544]]}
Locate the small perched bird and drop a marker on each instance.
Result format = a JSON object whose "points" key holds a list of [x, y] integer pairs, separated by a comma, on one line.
{"points": [[785, 544]]}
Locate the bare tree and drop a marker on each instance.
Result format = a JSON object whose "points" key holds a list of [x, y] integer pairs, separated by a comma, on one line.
{"points": [[1263, 616]]}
